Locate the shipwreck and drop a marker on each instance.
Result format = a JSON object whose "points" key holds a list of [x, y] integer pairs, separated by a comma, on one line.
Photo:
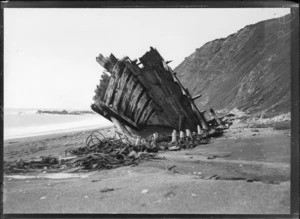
{"points": [[145, 96], [148, 105]]}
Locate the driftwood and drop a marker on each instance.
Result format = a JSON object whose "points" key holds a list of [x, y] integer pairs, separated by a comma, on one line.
{"points": [[212, 112]]}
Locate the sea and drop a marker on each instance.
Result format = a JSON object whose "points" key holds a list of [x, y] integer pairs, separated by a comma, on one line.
{"points": [[20, 122]]}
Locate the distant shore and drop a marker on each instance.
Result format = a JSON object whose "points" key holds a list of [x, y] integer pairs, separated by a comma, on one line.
{"points": [[55, 132], [20, 123], [65, 112]]}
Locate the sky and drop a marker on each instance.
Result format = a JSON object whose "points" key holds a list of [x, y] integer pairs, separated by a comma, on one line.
{"points": [[50, 54]]}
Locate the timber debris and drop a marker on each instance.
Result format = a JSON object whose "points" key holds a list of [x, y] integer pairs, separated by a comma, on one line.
{"points": [[140, 99], [102, 152]]}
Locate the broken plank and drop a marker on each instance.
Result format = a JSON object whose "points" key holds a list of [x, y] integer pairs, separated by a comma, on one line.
{"points": [[146, 112], [120, 89], [113, 113], [101, 89], [131, 90], [212, 112], [100, 111], [117, 73], [136, 95], [107, 63], [142, 106]]}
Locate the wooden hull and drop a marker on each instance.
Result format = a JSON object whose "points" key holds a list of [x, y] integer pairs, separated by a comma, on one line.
{"points": [[144, 95]]}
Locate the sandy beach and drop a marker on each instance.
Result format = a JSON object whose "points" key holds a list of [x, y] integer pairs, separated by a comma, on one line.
{"points": [[51, 144], [245, 171], [188, 113]]}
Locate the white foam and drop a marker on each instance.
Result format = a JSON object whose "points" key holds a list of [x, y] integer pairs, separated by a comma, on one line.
{"points": [[49, 176], [89, 123]]}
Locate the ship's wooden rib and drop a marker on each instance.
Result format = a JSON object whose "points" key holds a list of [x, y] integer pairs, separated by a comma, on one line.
{"points": [[150, 112], [124, 94], [144, 103], [107, 63], [120, 89], [144, 111], [113, 113], [99, 110], [117, 72], [132, 86], [136, 103], [136, 96], [109, 91]]}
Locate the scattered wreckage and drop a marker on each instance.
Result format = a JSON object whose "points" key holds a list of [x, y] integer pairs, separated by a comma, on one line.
{"points": [[148, 104]]}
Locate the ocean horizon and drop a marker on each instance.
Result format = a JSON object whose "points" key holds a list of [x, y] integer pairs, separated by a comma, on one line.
{"points": [[26, 122]]}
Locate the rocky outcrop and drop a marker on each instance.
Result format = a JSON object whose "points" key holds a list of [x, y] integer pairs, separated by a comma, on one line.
{"points": [[249, 70]]}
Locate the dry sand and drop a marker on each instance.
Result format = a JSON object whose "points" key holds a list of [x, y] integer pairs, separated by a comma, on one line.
{"points": [[246, 171]]}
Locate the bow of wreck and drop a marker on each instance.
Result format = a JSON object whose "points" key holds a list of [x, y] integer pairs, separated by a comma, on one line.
{"points": [[145, 95]]}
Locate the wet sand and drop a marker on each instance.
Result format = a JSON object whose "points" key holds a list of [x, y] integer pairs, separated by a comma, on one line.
{"points": [[52, 144], [245, 171]]}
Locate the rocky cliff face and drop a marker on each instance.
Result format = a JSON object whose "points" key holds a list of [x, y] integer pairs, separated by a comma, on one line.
{"points": [[249, 70]]}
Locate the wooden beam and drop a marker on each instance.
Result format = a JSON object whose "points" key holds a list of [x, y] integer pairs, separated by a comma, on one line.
{"points": [[107, 63], [141, 104], [143, 119], [134, 109], [196, 97], [118, 70], [121, 118], [181, 119], [132, 86], [148, 116], [137, 94], [201, 119], [100, 111], [142, 110], [120, 89], [212, 112], [121, 128], [103, 86]]}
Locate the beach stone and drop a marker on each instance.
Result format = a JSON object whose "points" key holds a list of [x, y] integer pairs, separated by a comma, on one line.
{"points": [[254, 130], [144, 191]]}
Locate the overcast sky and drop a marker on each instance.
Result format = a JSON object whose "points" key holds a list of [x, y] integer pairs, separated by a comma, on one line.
{"points": [[49, 54]]}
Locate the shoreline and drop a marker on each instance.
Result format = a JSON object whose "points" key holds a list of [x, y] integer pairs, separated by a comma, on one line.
{"points": [[57, 132], [52, 144]]}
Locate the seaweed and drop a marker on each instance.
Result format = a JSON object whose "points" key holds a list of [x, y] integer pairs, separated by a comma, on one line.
{"points": [[102, 152]]}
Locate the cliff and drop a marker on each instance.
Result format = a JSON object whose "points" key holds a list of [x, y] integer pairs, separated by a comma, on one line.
{"points": [[249, 70]]}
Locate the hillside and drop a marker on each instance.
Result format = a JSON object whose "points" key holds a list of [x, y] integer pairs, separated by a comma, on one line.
{"points": [[249, 70]]}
